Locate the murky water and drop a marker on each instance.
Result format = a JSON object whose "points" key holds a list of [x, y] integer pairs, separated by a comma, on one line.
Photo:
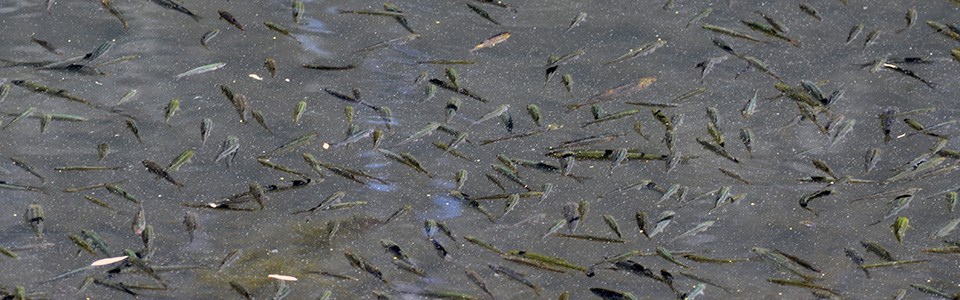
{"points": [[277, 241]]}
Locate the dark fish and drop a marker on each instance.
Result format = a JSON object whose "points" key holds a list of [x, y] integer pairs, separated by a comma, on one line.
{"points": [[170, 4], [158, 170], [47, 45], [226, 16], [192, 222]]}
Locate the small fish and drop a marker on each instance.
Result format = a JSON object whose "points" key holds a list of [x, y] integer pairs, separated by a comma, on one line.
{"points": [[280, 29], [206, 125], [751, 107], [776, 25], [871, 38], [911, 19], [516, 276], [258, 116], [47, 45], [113, 11], [694, 231], [762, 66], [132, 125], [663, 221], [229, 148], [746, 136], [482, 13], [900, 227], [35, 217], [170, 4], [271, 66], [699, 16], [390, 7], [181, 159], [854, 33], [298, 112], [608, 294], [496, 112], [172, 108], [209, 35], [707, 65], [945, 230], [576, 21], [730, 32], [476, 279], [298, 9], [811, 11], [226, 16], [156, 169], [643, 50], [492, 41], [139, 223], [201, 70], [192, 222]]}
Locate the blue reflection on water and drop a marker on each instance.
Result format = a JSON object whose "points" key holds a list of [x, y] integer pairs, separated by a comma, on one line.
{"points": [[447, 207], [315, 25], [380, 187], [312, 45]]}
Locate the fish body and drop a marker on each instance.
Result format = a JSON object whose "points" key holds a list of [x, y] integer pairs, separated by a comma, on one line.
{"points": [[156, 169], [170, 4]]}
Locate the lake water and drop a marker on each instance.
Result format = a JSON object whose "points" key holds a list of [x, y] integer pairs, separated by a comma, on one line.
{"points": [[161, 43]]}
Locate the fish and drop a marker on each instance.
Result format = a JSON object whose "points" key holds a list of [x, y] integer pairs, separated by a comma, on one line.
{"points": [[132, 125], [871, 38], [780, 260], [911, 19], [699, 16], [229, 148], [271, 65], [516, 276], [35, 217], [206, 125], [170, 4], [280, 29], [810, 10], [201, 69], [227, 16], [482, 13], [208, 36], [139, 223], [751, 107], [707, 66], [613, 93], [297, 9], [854, 33], [172, 108], [156, 169], [582, 16], [608, 294], [945, 230], [492, 41], [496, 112], [730, 32], [115, 12], [900, 227], [770, 31], [643, 50], [390, 7], [762, 66], [46, 45], [663, 221], [694, 231], [476, 279], [192, 222]]}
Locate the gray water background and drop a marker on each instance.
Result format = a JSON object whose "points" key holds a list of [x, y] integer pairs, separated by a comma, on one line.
{"points": [[274, 241]]}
